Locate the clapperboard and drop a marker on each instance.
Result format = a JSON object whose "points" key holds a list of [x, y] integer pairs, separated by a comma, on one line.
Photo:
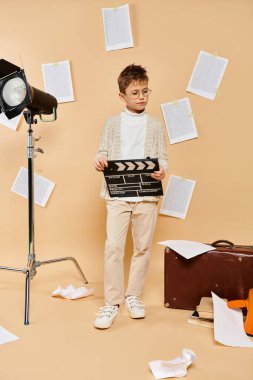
{"points": [[132, 178]]}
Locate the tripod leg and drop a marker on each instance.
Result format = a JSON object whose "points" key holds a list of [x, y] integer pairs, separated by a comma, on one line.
{"points": [[64, 259], [27, 297]]}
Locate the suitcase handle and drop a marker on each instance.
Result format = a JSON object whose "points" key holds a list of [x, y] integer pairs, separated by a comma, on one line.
{"points": [[225, 243], [219, 243]]}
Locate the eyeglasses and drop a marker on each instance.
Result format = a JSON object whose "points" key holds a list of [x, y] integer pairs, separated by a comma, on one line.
{"points": [[136, 94]]}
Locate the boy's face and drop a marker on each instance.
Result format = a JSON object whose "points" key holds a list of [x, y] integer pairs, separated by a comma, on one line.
{"points": [[136, 96]]}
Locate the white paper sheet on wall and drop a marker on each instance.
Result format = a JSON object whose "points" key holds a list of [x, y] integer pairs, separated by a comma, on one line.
{"points": [[177, 197], [179, 120], [42, 187], [57, 81], [207, 75], [117, 28], [12, 123]]}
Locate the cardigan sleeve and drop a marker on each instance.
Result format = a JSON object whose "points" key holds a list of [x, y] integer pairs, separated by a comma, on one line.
{"points": [[103, 149], [161, 144]]}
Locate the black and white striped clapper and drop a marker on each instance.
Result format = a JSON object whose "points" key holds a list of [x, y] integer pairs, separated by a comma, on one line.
{"points": [[132, 178]]}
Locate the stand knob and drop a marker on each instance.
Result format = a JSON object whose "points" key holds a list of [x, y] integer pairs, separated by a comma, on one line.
{"points": [[39, 150]]}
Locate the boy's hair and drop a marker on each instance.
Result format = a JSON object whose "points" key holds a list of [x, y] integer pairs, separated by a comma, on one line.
{"points": [[131, 73]]}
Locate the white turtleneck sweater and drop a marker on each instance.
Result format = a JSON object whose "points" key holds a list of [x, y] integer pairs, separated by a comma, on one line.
{"points": [[133, 135]]}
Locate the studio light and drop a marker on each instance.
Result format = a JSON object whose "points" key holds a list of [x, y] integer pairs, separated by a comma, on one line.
{"points": [[17, 96]]}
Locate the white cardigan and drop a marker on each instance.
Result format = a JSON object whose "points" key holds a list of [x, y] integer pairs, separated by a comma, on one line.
{"points": [[110, 143]]}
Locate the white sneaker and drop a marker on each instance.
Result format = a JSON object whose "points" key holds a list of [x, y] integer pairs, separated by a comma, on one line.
{"points": [[135, 307], [106, 316]]}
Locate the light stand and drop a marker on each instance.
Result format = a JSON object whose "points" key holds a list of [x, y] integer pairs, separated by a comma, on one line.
{"points": [[32, 263]]}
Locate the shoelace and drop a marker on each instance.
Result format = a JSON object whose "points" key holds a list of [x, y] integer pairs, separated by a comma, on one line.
{"points": [[106, 311], [134, 301]]}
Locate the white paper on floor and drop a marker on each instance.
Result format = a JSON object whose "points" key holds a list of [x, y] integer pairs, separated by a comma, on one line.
{"points": [[228, 325], [163, 369], [6, 336], [72, 293]]}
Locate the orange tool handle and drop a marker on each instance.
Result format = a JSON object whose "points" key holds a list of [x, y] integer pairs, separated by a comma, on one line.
{"points": [[237, 304], [249, 320], [248, 303]]}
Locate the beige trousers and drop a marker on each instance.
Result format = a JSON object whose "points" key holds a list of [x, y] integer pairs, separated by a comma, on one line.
{"points": [[142, 216]]}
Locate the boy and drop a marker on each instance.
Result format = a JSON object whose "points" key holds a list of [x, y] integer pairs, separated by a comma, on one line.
{"points": [[131, 135]]}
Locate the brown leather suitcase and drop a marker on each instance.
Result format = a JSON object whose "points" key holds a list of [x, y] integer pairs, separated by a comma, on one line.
{"points": [[227, 271]]}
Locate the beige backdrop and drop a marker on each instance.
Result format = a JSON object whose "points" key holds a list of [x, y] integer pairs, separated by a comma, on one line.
{"points": [[168, 36]]}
